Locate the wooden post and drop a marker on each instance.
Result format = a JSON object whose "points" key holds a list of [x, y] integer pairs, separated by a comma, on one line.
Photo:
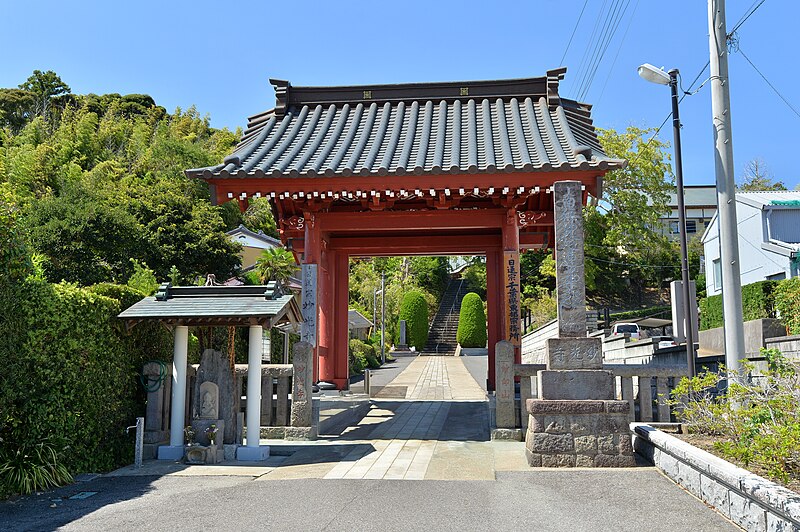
{"points": [[494, 311]]}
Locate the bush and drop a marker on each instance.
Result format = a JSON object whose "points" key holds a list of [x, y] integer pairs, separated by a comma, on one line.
{"points": [[787, 303], [414, 310], [362, 356], [471, 322], [72, 381], [756, 422], [758, 301]]}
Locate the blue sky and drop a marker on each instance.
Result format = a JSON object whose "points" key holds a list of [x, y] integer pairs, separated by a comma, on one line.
{"points": [[220, 57]]}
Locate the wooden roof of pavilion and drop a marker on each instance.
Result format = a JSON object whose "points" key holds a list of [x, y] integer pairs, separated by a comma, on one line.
{"points": [[215, 306]]}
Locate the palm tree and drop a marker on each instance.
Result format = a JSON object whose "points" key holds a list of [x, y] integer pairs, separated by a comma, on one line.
{"points": [[275, 264]]}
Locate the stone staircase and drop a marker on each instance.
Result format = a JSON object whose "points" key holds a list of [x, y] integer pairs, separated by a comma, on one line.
{"points": [[442, 332]]}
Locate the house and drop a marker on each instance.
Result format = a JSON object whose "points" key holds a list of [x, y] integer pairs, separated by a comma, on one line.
{"points": [[252, 244], [769, 239], [358, 325], [701, 206]]}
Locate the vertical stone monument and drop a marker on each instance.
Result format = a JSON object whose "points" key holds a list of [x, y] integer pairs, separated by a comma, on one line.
{"points": [[575, 422], [403, 344]]}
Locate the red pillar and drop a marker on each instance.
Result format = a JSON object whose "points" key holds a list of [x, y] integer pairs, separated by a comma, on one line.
{"points": [[341, 336], [494, 309], [510, 275], [325, 315]]}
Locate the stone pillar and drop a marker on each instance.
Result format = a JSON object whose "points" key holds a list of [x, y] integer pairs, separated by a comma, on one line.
{"points": [[679, 312], [266, 346], [575, 422], [253, 451], [570, 280], [504, 385], [302, 406], [286, 349], [178, 401]]}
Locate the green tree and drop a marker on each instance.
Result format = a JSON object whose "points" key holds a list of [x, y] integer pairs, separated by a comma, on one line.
{"points": [[276, 264], [757, 177], [45, 87], [414, 310], [259, 217], [471, 322], [16, 106]]}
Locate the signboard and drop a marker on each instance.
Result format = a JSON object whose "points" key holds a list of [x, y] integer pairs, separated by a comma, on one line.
{"points": [[308, 329], [511, 294]]}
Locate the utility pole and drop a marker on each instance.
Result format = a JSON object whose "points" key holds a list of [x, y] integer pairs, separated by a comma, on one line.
{"points": [[726, 187], [383, 318]]}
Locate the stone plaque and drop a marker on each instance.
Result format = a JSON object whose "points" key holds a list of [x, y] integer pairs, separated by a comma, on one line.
{"points": [[303, 367], [570, 281], [308, 330], [576, 384], [504, 385], [511, 292], [574, 353], [209, 401]]}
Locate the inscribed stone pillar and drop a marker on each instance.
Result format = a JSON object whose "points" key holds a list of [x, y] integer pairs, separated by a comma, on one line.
{"points": [[504, 385], [303, 375], [570, 281], [254, 385]]}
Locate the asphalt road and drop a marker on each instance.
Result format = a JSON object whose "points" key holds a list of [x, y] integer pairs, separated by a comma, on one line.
{"points": [[541, 500]]}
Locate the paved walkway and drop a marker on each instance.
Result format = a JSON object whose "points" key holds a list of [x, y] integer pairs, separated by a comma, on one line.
{"points": [[434, 378]]}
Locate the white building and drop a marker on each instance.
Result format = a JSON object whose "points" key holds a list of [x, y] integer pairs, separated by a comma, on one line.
{"points": [[701, 206], [769, 239], [252, 244]]}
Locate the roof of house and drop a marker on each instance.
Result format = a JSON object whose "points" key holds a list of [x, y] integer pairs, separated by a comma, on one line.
{"points": [[215, 305], [770, 198], [517, 125], [242, 230], [356, 320]]}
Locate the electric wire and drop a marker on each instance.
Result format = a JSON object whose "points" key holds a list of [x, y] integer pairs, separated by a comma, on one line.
{"points": [[746, 16], [771, 86], [573, 32], [598, 49], [587, 52], [619, 48], [619, 15]]}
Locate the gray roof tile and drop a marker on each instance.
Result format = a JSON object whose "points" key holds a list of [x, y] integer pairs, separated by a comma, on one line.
{"points": [[455, 127]]}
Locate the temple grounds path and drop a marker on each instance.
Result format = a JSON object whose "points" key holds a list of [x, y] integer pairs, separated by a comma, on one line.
{"points": [[422, 463]]}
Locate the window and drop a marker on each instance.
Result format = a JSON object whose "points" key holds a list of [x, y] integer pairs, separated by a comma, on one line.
{"points": [[673, 228], [691, 227], [717, 274]]}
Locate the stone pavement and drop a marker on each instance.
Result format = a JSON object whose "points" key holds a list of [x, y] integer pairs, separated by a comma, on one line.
{"points": [[434, 378]]}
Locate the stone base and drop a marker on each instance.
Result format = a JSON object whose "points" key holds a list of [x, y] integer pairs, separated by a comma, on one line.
{"points": [[289, 433], [170, 452], [576, 384], [252, 454], [201, 425], [507, 435], [202, 454], [578, 434]]}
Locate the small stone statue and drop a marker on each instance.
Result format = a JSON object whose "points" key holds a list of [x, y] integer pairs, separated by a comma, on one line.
{"points": [[209, 401]]}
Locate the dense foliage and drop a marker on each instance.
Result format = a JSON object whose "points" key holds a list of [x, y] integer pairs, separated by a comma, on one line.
{"points": [[758, 301], [275, 264], [414, 310], [756, 422], [362, 356], [98, 180], [787, 303], [471, 322]]}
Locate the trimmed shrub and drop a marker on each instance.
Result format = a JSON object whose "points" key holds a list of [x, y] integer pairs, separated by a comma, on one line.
{"points": [[787, 303], [414, 310], [362, 356], [758, 301], [72, 381], [471, 322]]}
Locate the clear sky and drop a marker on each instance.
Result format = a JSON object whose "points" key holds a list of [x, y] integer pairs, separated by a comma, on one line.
{"points": [[219, 56]]}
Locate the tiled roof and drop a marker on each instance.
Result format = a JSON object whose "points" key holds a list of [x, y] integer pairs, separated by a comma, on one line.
{"points": [[213, 303], [519, 125]]}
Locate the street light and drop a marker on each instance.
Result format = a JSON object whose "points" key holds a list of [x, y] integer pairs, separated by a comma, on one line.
{"points": [[656, 75]]}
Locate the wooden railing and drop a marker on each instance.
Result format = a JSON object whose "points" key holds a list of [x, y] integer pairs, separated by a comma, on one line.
{"points": [[646, 388]]}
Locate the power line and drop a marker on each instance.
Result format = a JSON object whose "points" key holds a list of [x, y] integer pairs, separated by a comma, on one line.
{"points": [[619, 14], [771, 86], [561, 63], [746, 16], [619, 48], [652, 266], [588, 51]]}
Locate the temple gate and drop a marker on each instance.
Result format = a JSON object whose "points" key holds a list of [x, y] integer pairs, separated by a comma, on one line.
{"points": [[455, 168]]}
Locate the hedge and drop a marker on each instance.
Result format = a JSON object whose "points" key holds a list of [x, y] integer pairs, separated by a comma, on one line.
{"points": [[362, 356], [414, 310], [758, 301], [70, 375], [471, 322], [787, 303]]}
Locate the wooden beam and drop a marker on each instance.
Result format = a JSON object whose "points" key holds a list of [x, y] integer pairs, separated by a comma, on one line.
{"points": [[417, 220], [414, 245]]}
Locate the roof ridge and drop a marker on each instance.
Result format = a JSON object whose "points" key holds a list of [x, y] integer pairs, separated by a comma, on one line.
{"points": [[287, 95]]}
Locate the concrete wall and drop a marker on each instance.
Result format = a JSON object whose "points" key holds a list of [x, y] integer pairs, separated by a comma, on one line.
{"points": [[533, 343], [752, 502], [757, 264], [712, 341], [788, 345]]}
